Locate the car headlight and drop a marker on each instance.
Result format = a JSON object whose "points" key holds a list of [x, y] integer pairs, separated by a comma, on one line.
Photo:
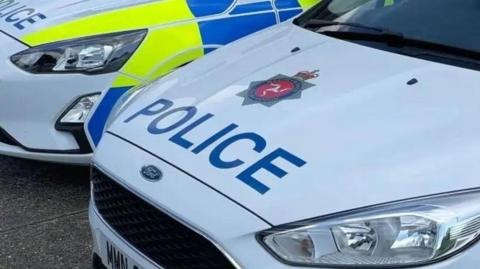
{"points": [[410, 233], [96, 54], [78, 112]]}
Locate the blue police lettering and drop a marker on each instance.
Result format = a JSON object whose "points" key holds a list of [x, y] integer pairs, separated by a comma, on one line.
{"points": [[18, 15], [13, 17], [8, 6], [163, 109], [149, 110], [266, 163], [179, 137], [31, 20], [214, 138], [190, 111], [215, 160]]}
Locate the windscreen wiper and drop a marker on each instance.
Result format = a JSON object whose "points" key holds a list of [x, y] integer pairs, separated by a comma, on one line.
{"points": [[373, 33], [391, 39], [398, 40], [317, 24]]}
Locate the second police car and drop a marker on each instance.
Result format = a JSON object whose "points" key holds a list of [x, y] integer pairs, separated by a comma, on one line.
{"points": [[64, 63], [347, 138]]}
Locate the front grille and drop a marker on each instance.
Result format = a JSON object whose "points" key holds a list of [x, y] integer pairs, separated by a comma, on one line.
{"points": [[158, 236]]}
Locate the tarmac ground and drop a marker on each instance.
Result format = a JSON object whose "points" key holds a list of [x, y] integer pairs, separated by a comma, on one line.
{"points": [[43, 219]]}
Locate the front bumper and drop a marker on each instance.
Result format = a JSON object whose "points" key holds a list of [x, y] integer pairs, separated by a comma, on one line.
{"points": [[205, 210], [202, 209], [18, 152], [30, 105]]}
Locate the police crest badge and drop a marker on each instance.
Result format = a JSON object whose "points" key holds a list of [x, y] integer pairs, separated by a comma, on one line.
{"points": [[270, 92]]}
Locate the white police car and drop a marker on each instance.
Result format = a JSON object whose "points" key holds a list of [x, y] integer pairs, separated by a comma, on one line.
{"points": [[65, 63], [345, 139]]}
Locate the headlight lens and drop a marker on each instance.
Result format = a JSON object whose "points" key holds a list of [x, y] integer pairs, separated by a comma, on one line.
{"points": [[78, 113], [97, 54], [402, 234]]}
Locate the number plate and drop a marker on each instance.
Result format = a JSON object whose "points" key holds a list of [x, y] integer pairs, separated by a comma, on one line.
{"points": [[115, 258]]}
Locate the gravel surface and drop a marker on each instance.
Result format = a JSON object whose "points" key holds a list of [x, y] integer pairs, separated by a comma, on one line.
{"points": [[43, 219]]}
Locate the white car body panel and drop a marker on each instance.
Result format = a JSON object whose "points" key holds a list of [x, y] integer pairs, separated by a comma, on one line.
{"points": [[202, 209], [399, 135], [54, 12], [56, 91], [40, 141], [32, 126], [73, 159], [225, 214], [366, 136]]}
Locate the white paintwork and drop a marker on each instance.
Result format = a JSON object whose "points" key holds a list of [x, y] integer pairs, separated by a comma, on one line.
{"points": [[31, 104], [361, 128], [58, 11], [74, 159], [366, 135]]}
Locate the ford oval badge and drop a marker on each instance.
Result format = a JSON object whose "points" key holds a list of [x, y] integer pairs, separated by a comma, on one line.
{"points": [[151, 173]]}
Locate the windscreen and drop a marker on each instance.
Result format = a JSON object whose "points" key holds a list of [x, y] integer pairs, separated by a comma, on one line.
{"points": [[453, 23]]}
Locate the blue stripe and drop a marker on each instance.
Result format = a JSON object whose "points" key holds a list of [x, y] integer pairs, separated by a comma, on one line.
{"points": [[100, 116], [224, 31], [208, 50], [252, 7], [202, 8], [283, 4], [286, 15]]}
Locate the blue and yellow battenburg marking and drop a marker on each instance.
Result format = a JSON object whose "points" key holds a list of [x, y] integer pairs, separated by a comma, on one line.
{"points": [[192, 35]]}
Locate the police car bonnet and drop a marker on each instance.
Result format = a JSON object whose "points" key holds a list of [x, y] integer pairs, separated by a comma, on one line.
{"points": [[21, 17], [276, 130]]}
